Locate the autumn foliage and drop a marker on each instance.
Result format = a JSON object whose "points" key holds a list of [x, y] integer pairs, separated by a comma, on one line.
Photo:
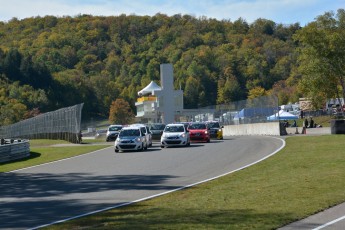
{"points": [[53, 62], [120, 112]]}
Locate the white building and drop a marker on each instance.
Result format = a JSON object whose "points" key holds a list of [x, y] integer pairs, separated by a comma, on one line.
{"points": [[160, 103]]}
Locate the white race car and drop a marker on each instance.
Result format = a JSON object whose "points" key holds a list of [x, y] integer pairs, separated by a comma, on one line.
{"points": [[175, 135], [131, 138]]}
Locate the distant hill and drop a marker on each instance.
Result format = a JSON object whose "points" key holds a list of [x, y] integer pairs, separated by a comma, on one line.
{"points": [[49, 62]]}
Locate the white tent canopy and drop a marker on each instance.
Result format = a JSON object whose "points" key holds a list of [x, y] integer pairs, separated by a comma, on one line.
{"points": [[149, 89], [282, 115]]}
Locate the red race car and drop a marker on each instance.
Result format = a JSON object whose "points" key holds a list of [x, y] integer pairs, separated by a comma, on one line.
{"points": [[199, 131]]}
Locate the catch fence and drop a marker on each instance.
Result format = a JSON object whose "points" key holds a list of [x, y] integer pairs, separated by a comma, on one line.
{"points": [[63, 124], [248, 111]]}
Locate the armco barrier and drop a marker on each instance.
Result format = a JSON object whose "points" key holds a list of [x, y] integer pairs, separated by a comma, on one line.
{"points": [[14, 149]]}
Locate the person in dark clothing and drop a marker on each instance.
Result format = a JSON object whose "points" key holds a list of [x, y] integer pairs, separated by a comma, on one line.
{"points": [[305, 123], [305, 126], [311, 123]]}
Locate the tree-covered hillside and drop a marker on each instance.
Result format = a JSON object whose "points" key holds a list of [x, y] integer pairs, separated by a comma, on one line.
{"points": [[48, 62]]}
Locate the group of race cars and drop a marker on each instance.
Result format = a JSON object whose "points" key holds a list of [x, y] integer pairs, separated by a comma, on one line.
{"points": [[139, 137]]}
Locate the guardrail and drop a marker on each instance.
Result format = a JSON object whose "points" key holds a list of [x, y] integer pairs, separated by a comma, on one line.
{"points": [[11, 149]]}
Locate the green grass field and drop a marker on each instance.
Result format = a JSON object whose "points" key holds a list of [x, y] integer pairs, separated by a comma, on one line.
{"points": [[307, 176], [302, 179], [322, 120]]}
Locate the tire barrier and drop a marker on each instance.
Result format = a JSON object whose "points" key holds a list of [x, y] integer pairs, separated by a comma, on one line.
{"points": [[11, 149]]}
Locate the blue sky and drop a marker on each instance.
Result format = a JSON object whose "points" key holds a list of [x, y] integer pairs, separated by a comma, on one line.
{"points": [[279, 11]]}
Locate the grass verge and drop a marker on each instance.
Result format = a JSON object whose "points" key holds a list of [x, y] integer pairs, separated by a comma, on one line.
{"points": [[41, 151], [302, 179], [321, 120]]}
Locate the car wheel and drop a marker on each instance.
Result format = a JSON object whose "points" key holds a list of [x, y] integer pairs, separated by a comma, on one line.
{"points": [[209, 140], [116, 150], [162, 146]]}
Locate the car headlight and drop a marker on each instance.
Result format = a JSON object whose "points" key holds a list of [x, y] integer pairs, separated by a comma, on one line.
{"points": [[183, 135], [206, 132], [164, 135], [138, 139]]}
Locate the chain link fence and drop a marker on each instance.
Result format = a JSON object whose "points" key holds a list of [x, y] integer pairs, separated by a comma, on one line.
{"points": [[62, 124], [248, 111]]}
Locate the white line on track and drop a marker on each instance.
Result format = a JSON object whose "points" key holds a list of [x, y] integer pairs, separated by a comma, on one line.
{"points": [[330, 223], [160, 194]]}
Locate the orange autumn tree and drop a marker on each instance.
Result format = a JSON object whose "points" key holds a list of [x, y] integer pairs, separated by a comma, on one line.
{"points": [[120, 112]]}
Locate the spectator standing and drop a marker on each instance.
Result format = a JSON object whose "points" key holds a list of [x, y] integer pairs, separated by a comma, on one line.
{"points": [[305, 126], [302, 114], [311, 123], [305, 123]]}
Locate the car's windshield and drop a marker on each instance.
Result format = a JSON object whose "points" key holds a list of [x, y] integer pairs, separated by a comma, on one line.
{"points": [[174, 129], [115, 128], [130, 133], [184, 123], [157, 127], [213, 125], [197, 126]]}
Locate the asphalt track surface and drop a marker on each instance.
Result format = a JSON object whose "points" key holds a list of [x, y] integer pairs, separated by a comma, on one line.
{"points": [[330, 219], [42, 195]]}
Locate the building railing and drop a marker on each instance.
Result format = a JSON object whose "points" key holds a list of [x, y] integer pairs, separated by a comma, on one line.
{"points": [[150, 98]]}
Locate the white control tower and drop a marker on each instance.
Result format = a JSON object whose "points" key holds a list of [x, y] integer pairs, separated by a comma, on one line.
{"points": [[167, 97], [165, 102]]}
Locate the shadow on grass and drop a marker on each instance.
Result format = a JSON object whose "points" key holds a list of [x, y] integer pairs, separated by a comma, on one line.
{"points": [[139, 216]]}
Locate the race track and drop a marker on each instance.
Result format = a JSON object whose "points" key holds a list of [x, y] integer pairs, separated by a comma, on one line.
{"points": [[48, 193]]}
